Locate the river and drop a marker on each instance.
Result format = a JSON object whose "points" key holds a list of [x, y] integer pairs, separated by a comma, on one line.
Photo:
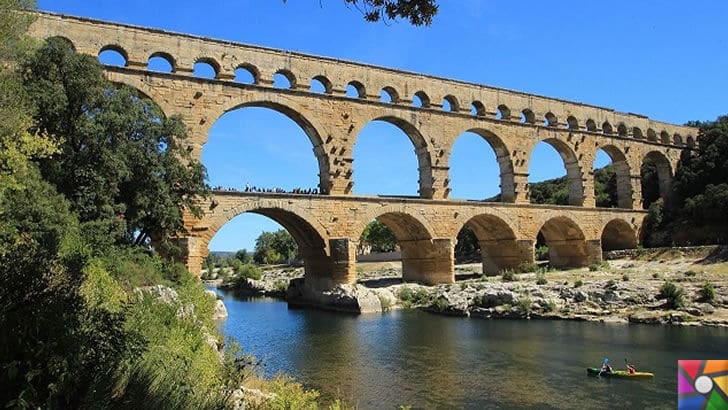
{"points": [[430, 361]]}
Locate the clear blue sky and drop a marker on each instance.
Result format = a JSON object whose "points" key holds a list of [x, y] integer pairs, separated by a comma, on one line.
{"points": [[667, 60]]}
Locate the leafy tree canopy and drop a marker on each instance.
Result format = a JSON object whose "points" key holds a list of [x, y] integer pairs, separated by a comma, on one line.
{"points": [[417, 12], [275, 247], [379, 237], [17, 145], [120, 160]]}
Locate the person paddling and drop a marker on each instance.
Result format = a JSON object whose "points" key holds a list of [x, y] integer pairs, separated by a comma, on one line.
{"points": [[606, 368], [630, 367]]}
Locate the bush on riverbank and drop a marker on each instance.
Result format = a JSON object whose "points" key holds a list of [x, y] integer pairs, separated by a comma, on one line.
{"points": [[674, 295]]}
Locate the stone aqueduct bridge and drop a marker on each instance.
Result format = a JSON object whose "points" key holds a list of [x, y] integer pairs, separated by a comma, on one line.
{"points": [[327, 227]]}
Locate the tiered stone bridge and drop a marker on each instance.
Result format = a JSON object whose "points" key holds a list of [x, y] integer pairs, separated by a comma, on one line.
{"points": [[327, 227]]}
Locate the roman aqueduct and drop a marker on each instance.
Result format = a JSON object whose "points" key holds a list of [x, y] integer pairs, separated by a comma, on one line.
{"points": [[327, 226]]}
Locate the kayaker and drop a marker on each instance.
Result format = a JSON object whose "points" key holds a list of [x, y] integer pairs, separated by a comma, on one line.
{"points": [[631, 369], [606, 368]]}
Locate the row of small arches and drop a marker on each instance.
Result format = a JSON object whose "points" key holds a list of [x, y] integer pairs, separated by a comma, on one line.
{"points": [[207, 67]]}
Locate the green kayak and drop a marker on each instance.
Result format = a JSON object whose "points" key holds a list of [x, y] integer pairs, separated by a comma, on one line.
{"points": [[619, 374]]}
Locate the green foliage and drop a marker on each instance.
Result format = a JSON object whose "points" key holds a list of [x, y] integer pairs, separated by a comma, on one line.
{"points": [[526, 267], [56, 350], [244, 256], [440, 304], [707, 293], [385, 302], [625, 277], [650, 183], [605, 187], [593, 267], [411, 298], [553, 192], [17, 145], [542, 252], [467, 248], [275, 247], [508, 276], [690, 273], [541, 278], [611, 283], [578, 283], [100, 290], [550, 306], [657, 275], [674, 295], [417, 12], [654, 222], [379, 237], [120, 158], [248, 271], [523, 305], [290, 395]]}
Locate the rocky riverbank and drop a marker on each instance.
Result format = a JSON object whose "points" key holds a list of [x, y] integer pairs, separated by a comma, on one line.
{"points": [[626, 290]]}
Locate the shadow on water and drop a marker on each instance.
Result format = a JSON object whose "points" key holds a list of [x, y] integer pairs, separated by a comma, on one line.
{"points": [[428, 361]]}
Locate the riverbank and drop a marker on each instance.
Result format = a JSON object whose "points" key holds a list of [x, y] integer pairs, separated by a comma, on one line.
{"points": [[623, 290]]}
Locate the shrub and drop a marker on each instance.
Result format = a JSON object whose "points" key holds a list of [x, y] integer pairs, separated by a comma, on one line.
{"points": [[385, 302], [526, 267], [593, 267], [282, 285], [578, 283], [440, 304], [611, 283], [625, 277], [707, 293], [542, 252], [690, 273], [248, 271], [674, 295], [550, 306], [657, 275], [412, 298], [541, 279], [523, 305], [508, 276]]}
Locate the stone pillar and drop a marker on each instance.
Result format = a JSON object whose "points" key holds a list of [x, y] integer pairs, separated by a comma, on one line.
{"points": [[594, 251], [499, 255], [588, 200], [325, 272], [428, 261], [569, 253], [192, 253], [624, 186], [440, 182], [636, 182], [521, 194]]}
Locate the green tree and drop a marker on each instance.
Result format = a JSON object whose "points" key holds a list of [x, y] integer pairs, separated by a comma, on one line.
{"points": [[120, 160], [467, 248], [379, 237], [244, 256], [605, 187], [650, 183], [17, 144], [417, 12], [56, 350], [275, 247], [553, 191]]}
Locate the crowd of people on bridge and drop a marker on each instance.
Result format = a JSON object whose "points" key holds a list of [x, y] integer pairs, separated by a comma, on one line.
{"points": [[276, 190]]}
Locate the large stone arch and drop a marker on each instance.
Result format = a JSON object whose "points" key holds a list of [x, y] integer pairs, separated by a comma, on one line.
{"points": [[499, 247], [295, 115], [308, 232], [421, 148], [618, 234], [425, 259], [573, 169], [566, 242], [622, 172], [503, 156], [664, 172]]}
